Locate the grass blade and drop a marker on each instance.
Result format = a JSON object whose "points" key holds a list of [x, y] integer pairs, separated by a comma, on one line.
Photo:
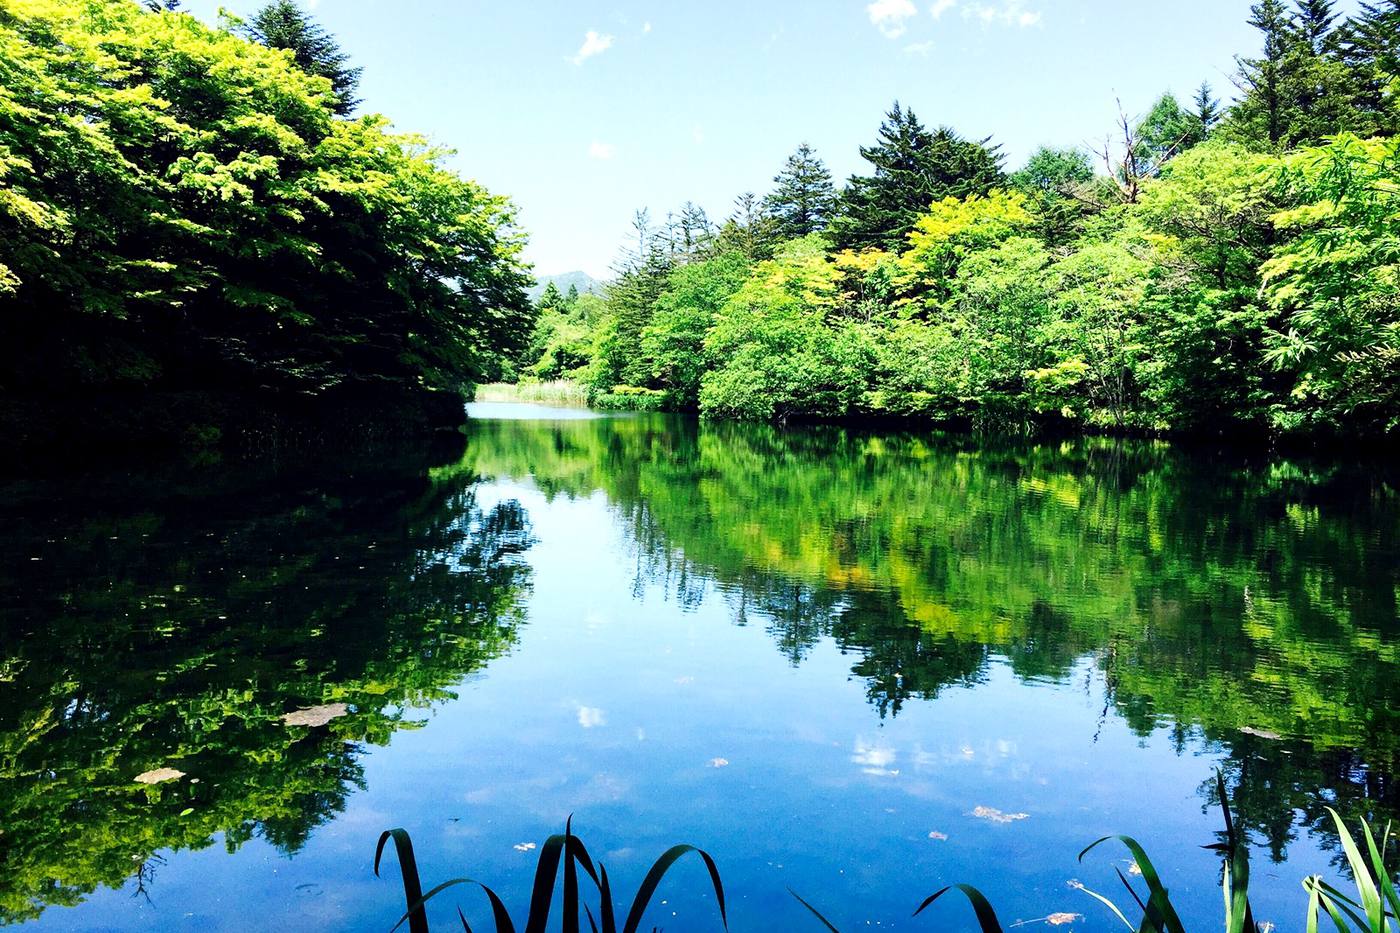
{"points": [[571, 898], [1361, 872], [1378, 863], [408, 867], [816, 913], [542, 895], [608, 918], [1107, 903], [653, 881], [986, 916], [1171, 923]]}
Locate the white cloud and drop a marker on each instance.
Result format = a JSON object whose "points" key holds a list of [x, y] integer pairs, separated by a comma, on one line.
{"points": [[697, 133], [646, 27], [591, 717], [889, 16], [594, 43], [919, 48], [604, 151], [1006, 13], [941, 6]]}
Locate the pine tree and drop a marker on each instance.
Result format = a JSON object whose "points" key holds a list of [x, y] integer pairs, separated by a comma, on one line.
{"points": [[549, 298], [1207, 112], [749, 230], [1369, 45], [1265, 110], [1313, 24], [804, 198], [284, 25], [913, 168]]}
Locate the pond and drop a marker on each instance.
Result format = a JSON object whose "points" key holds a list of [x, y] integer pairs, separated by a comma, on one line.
{"points": [[858, 665]]}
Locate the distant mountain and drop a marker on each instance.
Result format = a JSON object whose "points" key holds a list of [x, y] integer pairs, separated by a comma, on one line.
{"points": [[581, 280]]}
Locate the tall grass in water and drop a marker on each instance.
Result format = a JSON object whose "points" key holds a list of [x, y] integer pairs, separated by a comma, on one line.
{"points": [[568, 849], [1373, 908], [560, 392]]}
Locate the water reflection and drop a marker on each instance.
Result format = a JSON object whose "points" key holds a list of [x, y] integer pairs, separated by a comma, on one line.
{"points": [[1249, 605], [170, 621]]}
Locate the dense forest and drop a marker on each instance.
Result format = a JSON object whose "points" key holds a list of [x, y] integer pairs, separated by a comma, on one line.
{"points": [[1208, 269], [195, 222]]}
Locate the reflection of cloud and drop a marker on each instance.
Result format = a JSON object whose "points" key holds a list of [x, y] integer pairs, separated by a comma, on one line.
{"points": [[875, 758], [590, 717]]}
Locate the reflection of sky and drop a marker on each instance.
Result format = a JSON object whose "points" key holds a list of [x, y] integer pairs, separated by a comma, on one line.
{"points": [[617, 706]]}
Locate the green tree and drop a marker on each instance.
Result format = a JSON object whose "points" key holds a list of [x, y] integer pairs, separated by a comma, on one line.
{"points": [[1167, 130], [1336, 281], [1207, 113], [1058, 184], [1213, 208], [674, 339], [549, 298], [749, 230], [777, 353], [804, 198], [183, 212], [283, 24], [912, 168], [1267, 109]]}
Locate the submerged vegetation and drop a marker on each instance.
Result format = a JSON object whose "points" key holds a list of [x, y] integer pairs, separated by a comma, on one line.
{"points": [[1222, 270]]}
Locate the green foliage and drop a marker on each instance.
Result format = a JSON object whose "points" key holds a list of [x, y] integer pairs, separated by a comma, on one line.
{"points": [[804, 199], [1336, 283], [912, 168], [282, 24], [631, 398], [182, 209], [684, 313], [1209, 282]]}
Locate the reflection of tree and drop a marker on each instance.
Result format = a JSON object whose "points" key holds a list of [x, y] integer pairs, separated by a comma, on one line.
{"points": [[171, 624], [1212, 595]]}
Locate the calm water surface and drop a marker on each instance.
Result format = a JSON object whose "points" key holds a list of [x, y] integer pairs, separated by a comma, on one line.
{"points": [[859, 665]]}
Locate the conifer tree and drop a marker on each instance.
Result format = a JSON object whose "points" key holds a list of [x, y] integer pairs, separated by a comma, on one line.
{"points": [[1207, 112], [913, 168], [282, 24], [804, 198], [1266, 109]]}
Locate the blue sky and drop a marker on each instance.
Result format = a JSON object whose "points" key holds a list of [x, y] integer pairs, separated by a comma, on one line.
{"points": [[585, 110]]}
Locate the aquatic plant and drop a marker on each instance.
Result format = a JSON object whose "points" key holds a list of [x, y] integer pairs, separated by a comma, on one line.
{"points": [[1372, 910], [566, 849]]}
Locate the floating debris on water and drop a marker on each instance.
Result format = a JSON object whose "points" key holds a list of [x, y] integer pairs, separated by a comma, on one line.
{"points": [[159, 776], [314, 716], [997, 816]]}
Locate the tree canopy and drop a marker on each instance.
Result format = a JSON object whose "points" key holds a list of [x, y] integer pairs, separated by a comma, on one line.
{"points": [[185, 209]]}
